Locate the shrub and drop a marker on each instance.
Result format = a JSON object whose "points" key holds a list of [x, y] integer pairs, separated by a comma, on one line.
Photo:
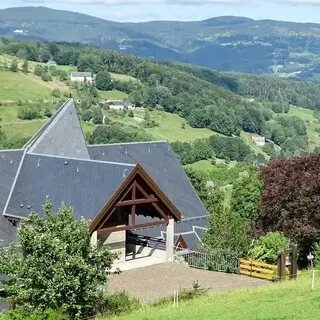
{"points": [[266, 248], [86, 115], [18, 314], [97, 116], [14, 65], [47, 113], [131, 114], [29, 112], [38, 70], [317, 255], [46, 77], [118, 303], [56, 93]]}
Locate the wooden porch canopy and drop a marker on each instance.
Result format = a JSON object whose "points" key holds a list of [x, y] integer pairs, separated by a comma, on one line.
{"points": [[137, 195]]}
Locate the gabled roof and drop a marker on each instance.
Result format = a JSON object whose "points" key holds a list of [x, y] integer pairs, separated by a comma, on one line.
{"points": [[162, 165], [84, 185], [61, 135]]}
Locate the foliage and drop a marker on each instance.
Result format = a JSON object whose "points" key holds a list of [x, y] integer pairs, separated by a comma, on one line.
{"points": [[25, 67], [56, 93], [46, 77], [38, 70], [227, 230], [290, 202], [103, 81], [246, 192], [317, 255], [55, 265], [232, 148], [97, 116], [29, 112], [47, 112], [116, 133], [131, 114], [266, 248], [118, 303], [86, 115], [14, 65], [198, 183], [19, 314]]}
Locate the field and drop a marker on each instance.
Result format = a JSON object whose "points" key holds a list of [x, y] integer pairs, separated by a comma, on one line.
{"points": [[292, 300], [169, 126], [113, 95]]}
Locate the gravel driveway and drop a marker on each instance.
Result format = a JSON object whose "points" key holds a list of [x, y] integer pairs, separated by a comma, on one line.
{"points": [[161, 280]]}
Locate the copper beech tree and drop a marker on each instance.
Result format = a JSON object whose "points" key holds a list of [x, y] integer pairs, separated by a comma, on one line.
{"points": [[290, 199]]}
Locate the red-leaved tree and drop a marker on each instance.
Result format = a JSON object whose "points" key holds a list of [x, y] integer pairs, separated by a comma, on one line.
{"points": [[290, 199]]}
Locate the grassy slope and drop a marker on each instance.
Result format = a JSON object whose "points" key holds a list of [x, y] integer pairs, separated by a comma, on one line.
{"points": [[282, 301]]}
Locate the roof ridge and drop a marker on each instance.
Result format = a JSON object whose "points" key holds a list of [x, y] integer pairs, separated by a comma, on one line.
{"points": [[14, 181], [127, 143], [39, 133], [79, 159]]}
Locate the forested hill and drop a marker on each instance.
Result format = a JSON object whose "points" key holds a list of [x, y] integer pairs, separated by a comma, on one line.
{"points": [[228, 104], [224, 43]]}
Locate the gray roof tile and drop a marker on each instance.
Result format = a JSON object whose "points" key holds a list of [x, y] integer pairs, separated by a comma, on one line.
{"points": [[9, 164], [61, 136], [84, 185], [160, 162]]}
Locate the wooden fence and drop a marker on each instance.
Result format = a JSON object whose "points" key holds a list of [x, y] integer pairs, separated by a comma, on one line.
{"points": [[258, 269]]}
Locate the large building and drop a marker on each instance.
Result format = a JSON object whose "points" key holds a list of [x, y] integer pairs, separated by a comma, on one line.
{"points": [[83, 77], [135, 195]]}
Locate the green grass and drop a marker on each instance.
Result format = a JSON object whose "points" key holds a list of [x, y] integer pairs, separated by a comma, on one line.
{"points": [[202, 165], [23, 128], [113, 95], [292, 300], [169, 126], [122, 77], [18, 86], [311, 124]]}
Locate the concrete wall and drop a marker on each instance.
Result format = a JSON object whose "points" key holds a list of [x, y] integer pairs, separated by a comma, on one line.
{"points": [[117, 243], [136, 251]]}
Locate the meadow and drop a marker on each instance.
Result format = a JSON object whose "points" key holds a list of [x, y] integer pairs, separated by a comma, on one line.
{"points": [[289, 300]]}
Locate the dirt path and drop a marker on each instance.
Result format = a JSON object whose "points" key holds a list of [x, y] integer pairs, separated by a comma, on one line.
{"points": [[159, 281]]}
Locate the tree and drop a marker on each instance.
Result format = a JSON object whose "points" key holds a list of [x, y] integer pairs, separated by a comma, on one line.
{"points": [[14, 65], [246, 192], [227, 231], [131, 114], [290, 199], [54, 266], [86, 115], [146, 115], [97, 116], [46, 77], [38, 70], [25, 67], [29, 112], [103, 81]]}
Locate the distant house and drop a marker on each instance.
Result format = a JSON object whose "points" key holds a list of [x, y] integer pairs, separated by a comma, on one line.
{"points": [[18, 31], [81, 77], [121, 104], [259, 141]]}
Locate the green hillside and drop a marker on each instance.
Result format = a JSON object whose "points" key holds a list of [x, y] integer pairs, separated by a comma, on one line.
{"points": [[246, 45]]}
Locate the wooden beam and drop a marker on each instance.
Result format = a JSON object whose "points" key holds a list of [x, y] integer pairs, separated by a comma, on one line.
{"points": [[133, 208], [160, 211], [135, 201], [130, 227], [108, 216]]}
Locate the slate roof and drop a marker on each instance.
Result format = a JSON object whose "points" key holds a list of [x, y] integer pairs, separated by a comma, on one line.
{"points": [[9, 165], [160, 162], [61, 136], [56, 163], [84, 185], [81, 74]]}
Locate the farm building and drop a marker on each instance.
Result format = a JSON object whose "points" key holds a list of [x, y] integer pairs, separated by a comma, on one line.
{"points": [[120, 105], [136, 196], [259, 141], [81, 77]]}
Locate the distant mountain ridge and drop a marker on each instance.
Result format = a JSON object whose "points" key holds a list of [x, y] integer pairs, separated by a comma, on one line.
{"points": [[224, 43]]}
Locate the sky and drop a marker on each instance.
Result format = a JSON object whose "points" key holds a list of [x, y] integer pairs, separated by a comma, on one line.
{"points": [[146, 10]]}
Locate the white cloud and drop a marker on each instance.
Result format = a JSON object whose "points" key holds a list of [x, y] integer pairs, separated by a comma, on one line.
{"points": [[298, 2]]}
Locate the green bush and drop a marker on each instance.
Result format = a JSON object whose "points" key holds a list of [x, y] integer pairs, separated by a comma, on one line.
{"points": [[118, 303], [18, 314], [47, 113], [131, 114], [56, 93], [29, 112], [266, 248], [317, 255], [46, 77], [86, 115], [38, 70]]}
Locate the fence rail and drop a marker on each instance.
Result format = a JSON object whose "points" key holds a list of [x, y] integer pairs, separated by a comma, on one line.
{"points": [[257, 269], [210, 261]]}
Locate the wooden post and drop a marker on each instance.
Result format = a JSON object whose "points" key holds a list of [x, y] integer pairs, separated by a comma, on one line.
{"points": [[294, 263], [281, 265]]}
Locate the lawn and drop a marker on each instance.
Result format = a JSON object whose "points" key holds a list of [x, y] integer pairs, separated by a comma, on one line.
{"points": [[202, 165], [122, 77], [169, 126], [18, 86], [113, 95], [23, 128], [291, 300]]}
